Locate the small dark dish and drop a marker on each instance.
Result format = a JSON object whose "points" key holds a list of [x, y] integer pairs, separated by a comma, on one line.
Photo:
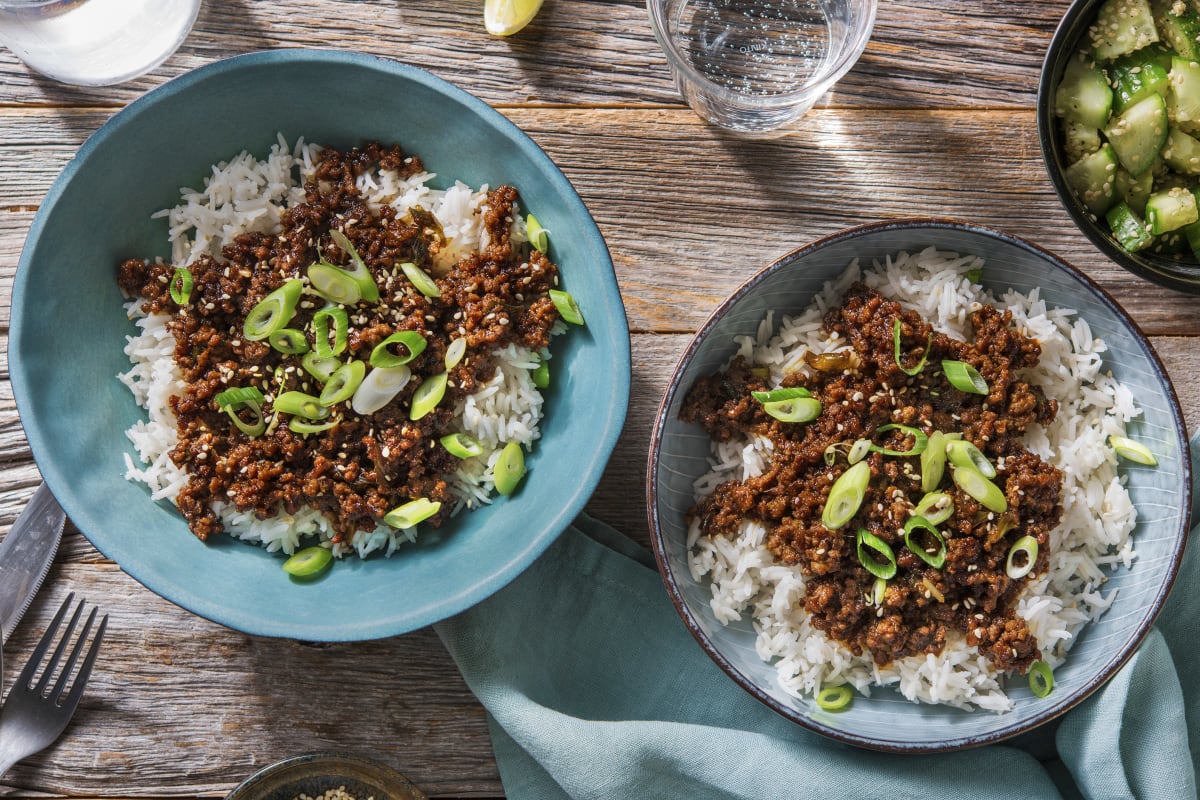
{"points": [[679, 454], [316, 773], [1181, 273]]}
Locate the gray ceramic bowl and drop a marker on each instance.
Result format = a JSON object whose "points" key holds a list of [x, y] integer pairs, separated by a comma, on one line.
{"points": [[887, 721], [314, 774], [69, 328], [1182, 273]]}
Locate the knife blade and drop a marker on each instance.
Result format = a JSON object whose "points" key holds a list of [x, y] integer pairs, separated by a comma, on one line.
{"points": [[26, 553]]}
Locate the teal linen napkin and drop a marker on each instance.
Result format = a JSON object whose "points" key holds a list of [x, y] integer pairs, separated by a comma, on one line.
{"points": [[594, 689]]}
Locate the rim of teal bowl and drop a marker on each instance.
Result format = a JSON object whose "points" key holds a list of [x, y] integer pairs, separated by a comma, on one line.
{"points": [[588, 472], [1002, 730]]}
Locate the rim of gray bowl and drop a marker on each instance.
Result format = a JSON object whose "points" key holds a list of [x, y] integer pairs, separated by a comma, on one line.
{"points": [[658, 539]]}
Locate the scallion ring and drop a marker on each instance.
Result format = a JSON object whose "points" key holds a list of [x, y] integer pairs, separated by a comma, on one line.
{"points": [[273, 312], [413, 343], [920, 440], [846, 495], [421, 279], [912, 530], [181, 286], [566, 305], [779, 395], [427, 396], [320, 367], [301, 405], [1132, 450], [361, 275], [987, 493], [509, 468], [308, 562], [964, 377], [334, 284], [858, 450], [875, 555], [289, 341], [965, 454], [937, 507], [539, 237], [411, 513], [455, 353], [343, 383], [879, 592], [305, 427], [321, 333], [896, 346], [378, 388], [795, 404], [974, 275], [540, 375], [1021, 558], [460, 445], [1041, 679], [933, 461], [835, 699], [248, 398]]}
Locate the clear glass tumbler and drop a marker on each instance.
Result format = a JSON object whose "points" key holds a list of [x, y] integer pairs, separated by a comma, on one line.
{"points": [[95, 42], [755, 65]]}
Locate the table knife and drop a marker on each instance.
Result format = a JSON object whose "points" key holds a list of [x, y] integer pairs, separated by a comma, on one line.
{"points": [[26, 553]]}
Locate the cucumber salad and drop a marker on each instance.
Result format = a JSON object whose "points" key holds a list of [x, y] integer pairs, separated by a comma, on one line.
{"points": [[1129, 106]]}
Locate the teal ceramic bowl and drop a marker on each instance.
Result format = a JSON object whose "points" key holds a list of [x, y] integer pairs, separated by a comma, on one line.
{"points": [[1162, 495], [69, 328]]}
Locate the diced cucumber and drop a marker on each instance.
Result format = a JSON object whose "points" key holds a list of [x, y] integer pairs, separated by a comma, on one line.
{"points": [[1171, 210], [1183, 100], [1083, 94], [1135, 76], [1134, 191], [1122, 27], [1079, 140], [1128, 229], [1182, 152], [1093, 179], [1178, 25], [1139, 133]]}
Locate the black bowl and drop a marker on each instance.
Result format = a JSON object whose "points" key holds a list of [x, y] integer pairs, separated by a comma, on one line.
{"points": [[1183, 273]]}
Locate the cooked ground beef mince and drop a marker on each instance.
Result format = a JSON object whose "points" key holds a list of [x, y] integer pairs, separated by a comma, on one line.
{"points": [[861, 388], [363, 466]]}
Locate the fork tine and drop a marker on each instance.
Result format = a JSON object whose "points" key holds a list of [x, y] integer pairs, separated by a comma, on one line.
{"points": [[69, 667], [25, 679], [85, 671], [63, 641]]}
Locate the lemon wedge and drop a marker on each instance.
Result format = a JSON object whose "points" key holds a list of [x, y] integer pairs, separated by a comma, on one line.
{"points": [[506, 17]]}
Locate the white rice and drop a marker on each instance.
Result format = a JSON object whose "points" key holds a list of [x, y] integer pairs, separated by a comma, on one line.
{"points": [[1094, 534], [246, 194]]}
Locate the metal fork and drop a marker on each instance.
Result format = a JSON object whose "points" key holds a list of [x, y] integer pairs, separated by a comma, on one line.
{"points": [[35, 714]]}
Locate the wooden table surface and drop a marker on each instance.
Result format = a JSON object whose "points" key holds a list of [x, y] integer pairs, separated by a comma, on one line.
{"points": [[936, 118]]}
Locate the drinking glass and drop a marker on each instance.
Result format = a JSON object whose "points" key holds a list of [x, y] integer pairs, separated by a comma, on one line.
{"points": [[95, 42], [756, 65]]}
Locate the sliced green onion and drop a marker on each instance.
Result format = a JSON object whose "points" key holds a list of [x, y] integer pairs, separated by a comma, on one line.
{"points": [[289, 340], [912, 528], [301, 404], [428, 395], [802, 409], [379, 388], [846, 495], [964, 377], [566, 305], [248, 398], [413, 343], [1026, 546], [835, 699], [858, 450], [896, 345], [455, 353], [965, 454], [875, 555], [334, 284], [460, 445], [540, 375], [412, 512], [303, 426], [273, 312], [341, 331], [920, 440], [937, 507], [832, 451], [420, 279], [308, 562], [539, 237], [509, 468], [973, 483], [181, 285], [1041, 679], [933, 461], [1132, 450], [780, 395], [880, 590], [974, 275], [343, 383], [320, 367], [361, 275]]}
